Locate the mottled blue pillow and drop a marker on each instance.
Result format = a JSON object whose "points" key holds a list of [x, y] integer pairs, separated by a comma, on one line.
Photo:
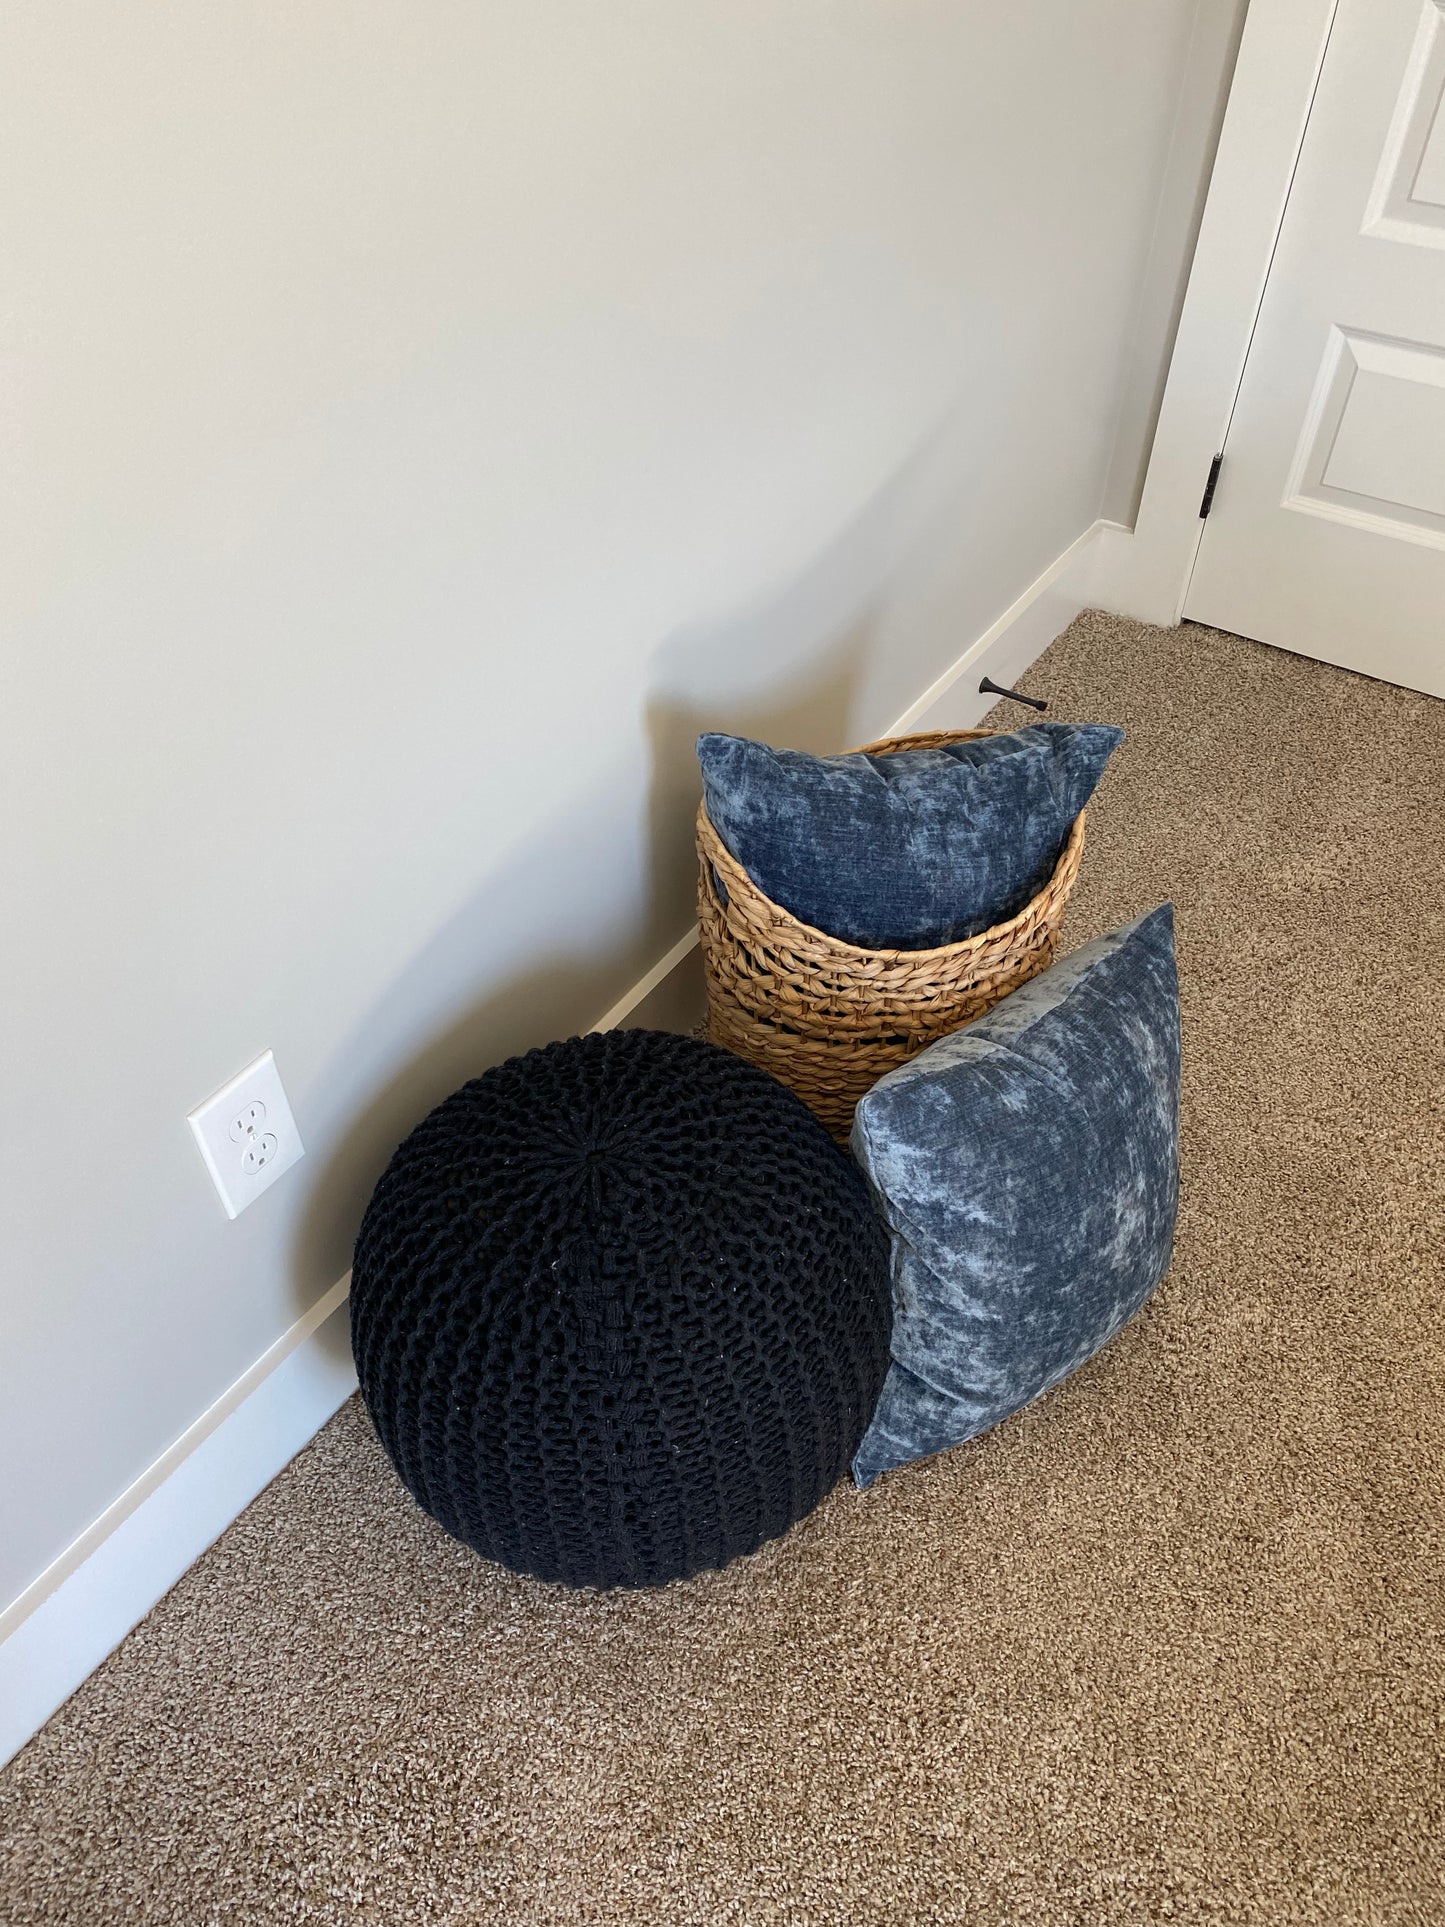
{"points": [[909, 851], [1028, 1167]]}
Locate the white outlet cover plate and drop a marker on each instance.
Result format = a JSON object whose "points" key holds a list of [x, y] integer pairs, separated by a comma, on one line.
{"points": [[245, 1112]]}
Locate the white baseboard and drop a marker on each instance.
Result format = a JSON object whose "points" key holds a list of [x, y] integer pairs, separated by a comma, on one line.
{"points": [[1008, 646], [1134, 575], [78, 1611], [669, 997], [60, 1629]]}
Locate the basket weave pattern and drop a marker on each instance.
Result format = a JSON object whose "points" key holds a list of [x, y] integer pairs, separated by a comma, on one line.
{"points": [[828, 1017]]}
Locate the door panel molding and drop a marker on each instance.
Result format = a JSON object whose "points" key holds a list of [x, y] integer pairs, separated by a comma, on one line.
{"points": [[1329, 457], [1407, 202]]}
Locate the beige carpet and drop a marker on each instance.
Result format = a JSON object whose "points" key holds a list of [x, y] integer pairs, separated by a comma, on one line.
{"points": [[1168, 1646]]}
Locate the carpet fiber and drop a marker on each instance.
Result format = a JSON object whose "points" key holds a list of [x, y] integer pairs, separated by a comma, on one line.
{"points": [[1168, 1645]]}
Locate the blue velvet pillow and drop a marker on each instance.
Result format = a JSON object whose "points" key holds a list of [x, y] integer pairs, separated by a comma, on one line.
{"points": [[1028, 1167], [908, 851]]}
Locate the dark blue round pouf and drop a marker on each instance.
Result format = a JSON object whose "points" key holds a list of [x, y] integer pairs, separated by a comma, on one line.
{"points": [[620, 1310]]}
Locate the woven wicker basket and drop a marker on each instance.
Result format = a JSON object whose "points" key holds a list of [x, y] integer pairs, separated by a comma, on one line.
{"points": [[829, 1018]]}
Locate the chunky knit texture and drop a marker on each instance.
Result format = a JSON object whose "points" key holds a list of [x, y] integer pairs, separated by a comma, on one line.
{"points": [[620, 1310]]}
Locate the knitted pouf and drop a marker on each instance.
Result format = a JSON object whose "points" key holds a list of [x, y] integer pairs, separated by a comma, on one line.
{"points": [[620, 1310]]}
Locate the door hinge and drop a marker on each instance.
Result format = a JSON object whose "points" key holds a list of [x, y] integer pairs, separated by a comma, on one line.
{"points": [[1209, 487]]}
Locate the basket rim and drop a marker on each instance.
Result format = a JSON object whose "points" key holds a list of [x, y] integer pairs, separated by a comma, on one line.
{"points": [[728, 866]]}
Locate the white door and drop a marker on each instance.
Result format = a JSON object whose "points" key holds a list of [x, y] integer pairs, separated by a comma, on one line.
{"points": [[1326, 534]]}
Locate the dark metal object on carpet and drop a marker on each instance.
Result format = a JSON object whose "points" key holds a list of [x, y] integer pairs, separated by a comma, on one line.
{"points": [[620, 1310], [988, 687]]}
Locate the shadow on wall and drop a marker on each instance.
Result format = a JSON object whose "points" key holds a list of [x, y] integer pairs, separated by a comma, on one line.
{"points": [[484, 1000], [800, 668], [793, 669], [813, 713]]}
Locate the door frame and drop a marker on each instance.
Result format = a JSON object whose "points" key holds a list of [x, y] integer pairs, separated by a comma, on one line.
{"points": [[1144, 572]]}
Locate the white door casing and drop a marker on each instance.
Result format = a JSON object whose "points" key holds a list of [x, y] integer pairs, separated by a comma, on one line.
{"points": [[1327, 531]]}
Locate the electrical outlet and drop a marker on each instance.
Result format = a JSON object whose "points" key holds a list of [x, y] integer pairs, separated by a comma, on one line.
{"points": [[247, 1134]]}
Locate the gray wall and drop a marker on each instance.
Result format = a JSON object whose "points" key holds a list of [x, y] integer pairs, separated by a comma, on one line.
{"points": [[422, 417]]}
